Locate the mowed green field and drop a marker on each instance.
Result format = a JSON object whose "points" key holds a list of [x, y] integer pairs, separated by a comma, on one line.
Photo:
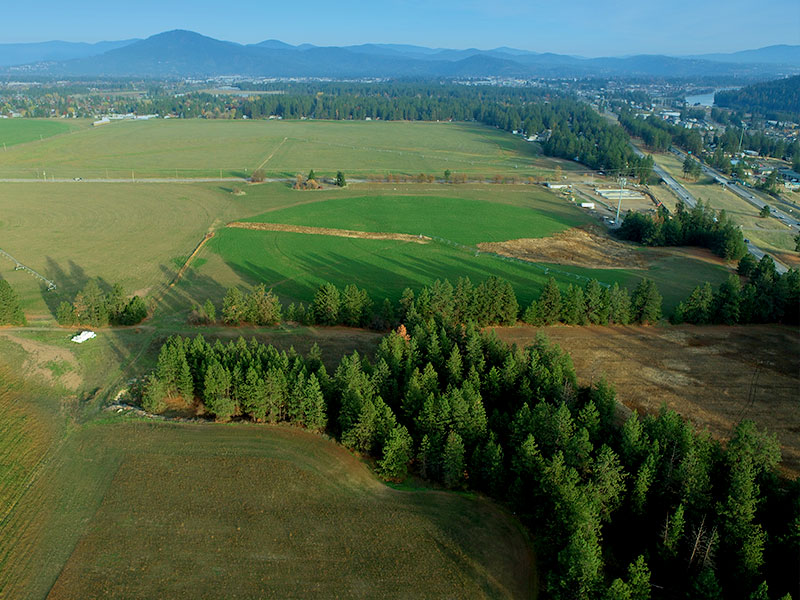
{"points": [[20, 131], [139, 510], [464, 220], [206, 148], [296, 264]]}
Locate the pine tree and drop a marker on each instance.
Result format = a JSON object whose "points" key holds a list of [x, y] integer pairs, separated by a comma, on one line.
{"points": [[233, 306], [397, 453], [314, 415], [549, 303], [340, 180], [573, 308], [619, 305], [697, 307], [154, 396], [216, 393], [596, 303], [210, 310], [727, 301], [10, 307], [646, 303], [453, 460], [327, 304]]}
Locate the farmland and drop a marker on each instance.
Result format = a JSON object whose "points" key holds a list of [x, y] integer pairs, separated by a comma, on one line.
{"points": [[102, 504], [177, 509], [20, 131], [195, 148]]}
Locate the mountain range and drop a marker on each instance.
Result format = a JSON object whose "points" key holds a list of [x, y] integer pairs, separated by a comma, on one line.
{"points": [[180, 54]]}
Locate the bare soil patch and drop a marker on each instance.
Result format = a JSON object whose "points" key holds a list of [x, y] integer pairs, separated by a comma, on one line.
{"points": [[43, 357], [578, 246], [348, 233], [715, 376]]}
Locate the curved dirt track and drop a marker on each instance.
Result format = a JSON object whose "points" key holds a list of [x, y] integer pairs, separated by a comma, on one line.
{"points": [[348, 233]]}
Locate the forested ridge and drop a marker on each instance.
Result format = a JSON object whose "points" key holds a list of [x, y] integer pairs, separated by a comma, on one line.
{"points": [[648, 508], [772, 99]]}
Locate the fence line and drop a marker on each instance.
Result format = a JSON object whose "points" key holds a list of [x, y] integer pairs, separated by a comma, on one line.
{"points": [[477, 251], [20, 267]]}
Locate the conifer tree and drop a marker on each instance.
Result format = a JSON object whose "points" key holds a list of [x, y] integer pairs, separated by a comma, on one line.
{"points": [[453, 460], [646, 303], [397, 453], [314, 415], [10, 307], [549, 304], [233, 306], [327, 303]]}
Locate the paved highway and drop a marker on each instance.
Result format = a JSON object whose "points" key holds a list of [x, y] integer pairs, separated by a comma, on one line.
{"points": [[676, 187], [691, 201], [787, 218]]}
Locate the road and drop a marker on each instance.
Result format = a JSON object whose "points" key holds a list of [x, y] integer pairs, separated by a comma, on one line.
{"points": [[671, 182], [785, 217], [691, 201]]}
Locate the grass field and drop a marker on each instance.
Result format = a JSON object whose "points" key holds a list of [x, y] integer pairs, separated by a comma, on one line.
{"points": [[463, 220], [20, 131], [769, 233], [120, 232], [136, 508], [195, 148]]}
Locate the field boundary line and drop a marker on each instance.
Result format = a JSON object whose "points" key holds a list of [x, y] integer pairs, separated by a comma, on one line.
{"points": [[266, 160]]}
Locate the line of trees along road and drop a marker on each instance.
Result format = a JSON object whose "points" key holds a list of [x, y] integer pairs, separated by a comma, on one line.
{"points": [[651, 508]]}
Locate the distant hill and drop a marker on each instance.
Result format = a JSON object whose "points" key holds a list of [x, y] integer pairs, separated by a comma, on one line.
{"points": [[178, 54], [776, 99], [20, 54], [781, 54]]}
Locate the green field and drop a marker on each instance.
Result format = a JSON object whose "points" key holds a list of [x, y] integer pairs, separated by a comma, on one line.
{"points": [[20, 131], [127, 509], [207, 148], [459, 219]]}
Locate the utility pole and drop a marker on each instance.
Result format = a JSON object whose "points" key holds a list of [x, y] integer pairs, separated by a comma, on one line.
{"points": [[622, 182]]}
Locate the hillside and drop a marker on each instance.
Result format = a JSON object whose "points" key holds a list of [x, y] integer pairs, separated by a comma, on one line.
{"points": [[772, 98]]}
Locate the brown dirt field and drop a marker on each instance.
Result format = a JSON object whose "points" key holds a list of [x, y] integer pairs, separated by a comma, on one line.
{"points": [[579, 246], [40, 355], [348, 233], [704, 373]]}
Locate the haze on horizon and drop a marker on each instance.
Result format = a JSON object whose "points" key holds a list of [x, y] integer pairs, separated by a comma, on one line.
{"points": [[582, 27]]}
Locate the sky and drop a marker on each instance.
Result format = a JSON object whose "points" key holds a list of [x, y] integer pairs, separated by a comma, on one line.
{"points": [[580, 27]]}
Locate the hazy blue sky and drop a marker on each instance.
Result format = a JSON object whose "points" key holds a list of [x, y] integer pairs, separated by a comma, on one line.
{"points": [[586, 27]]}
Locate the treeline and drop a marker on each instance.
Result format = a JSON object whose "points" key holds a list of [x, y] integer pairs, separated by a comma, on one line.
{"points": [[594, 304], [659, 135], [98, 308], [698, 226], [766, 297], [10, 306], [772, 99], [617, 511]]}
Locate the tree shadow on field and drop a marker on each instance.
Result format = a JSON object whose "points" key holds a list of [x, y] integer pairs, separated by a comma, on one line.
{"points": [[69, 281], [192, 289], [480, 541]]}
